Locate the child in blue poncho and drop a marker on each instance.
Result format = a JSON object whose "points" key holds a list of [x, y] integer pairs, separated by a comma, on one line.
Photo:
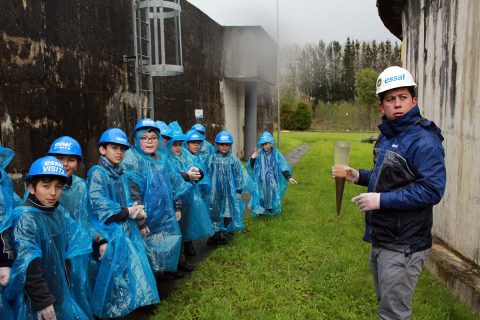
{"points": [[125, 280], [271, 174], [229, 180], [46, 240], [7, 204], [74, 196], [206, 148], [195, 223], [156, 185]]}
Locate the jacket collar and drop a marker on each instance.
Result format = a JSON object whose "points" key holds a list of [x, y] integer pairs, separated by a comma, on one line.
{"points": [[391, 128]]}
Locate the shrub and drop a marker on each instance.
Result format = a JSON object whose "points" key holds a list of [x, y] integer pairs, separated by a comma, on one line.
{"points": [[302, 116], [286, 114]]}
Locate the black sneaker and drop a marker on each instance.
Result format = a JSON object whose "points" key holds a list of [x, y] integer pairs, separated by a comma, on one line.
{"points": [[189, 249], [168, 275], [213, 239], [222, 239], [185, 266]]}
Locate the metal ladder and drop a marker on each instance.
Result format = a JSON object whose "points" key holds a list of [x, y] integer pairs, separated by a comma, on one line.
{"points": [[143, 79]]}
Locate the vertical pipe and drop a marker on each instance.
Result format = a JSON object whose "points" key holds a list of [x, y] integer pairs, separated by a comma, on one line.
{"points": [[162, 38], [135, 24], [250, 133], [278, 79], [180, 38]]}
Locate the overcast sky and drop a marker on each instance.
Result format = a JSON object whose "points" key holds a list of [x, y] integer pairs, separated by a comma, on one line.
{"points": [[302, 21]]}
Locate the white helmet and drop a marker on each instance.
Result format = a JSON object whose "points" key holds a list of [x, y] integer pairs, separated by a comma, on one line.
{"points": [[394, 77]]}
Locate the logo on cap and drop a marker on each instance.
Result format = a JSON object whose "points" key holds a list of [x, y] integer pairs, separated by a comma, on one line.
{"points": [[63, 145], [379, 82]]}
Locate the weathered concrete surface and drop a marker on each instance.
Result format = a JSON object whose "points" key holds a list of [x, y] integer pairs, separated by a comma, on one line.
{"points": [[249, 55], [458, 274], [442, 49], [62, 74]]}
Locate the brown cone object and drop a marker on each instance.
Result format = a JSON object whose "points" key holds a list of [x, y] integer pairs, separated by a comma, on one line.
{"points": [[339, 186]]}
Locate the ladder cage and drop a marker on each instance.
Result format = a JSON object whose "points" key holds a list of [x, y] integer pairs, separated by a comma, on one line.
{"points": [[158, 37]]}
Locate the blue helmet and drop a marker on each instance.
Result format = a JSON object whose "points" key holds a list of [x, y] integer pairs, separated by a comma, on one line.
{"points": [[224, 137], [266, 137], [193, 135], [114, 135], [48, 165], [178, 137], [146, 123], [167, 133], [67, 146], [161, 125], [199, 128]]}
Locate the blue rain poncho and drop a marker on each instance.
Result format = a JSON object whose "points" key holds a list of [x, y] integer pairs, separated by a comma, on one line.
{"points": [[124, 280], [195, 222], [228, 178], [159, 185], [53, 238], [74, 200], [270, 183], [206, 149], [7, 203]]}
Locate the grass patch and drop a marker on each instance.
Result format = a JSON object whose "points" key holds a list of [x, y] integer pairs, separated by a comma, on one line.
{"points": [[305, 263]]}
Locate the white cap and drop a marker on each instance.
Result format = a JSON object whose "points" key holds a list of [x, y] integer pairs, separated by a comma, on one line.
{"points": [[394, 77]]}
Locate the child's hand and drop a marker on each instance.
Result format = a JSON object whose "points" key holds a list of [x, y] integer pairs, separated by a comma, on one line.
{"points": [[136, 212], [47, 314], [178, 215], [145, 231], [194, 174], [4, 276], [292, 181], [254, 154], [101, 251]]}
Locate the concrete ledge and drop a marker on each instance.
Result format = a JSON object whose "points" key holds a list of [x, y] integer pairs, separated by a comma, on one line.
{"points": [[459, 275]]}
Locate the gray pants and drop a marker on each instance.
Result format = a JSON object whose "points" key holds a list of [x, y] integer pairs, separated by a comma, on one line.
{"points": [[395, 275]]}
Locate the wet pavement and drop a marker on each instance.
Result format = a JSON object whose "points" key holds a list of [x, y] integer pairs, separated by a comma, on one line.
{"points": [[167, 286]]}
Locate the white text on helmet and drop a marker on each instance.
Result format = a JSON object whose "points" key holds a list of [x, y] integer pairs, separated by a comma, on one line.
{"points": [[53, 169], [122, 140], [63, 145]]}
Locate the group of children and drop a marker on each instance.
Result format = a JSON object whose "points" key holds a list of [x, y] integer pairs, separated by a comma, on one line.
{"points": [[78, 249]]}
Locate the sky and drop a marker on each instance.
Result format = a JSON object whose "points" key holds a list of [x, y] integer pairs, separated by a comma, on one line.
{"points": [[302, 21]]}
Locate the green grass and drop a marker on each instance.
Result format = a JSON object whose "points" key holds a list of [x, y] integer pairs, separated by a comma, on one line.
{"points": [[305, 263]]}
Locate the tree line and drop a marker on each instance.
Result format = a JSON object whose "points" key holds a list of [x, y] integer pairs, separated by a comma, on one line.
{"points": [[328, 72]]}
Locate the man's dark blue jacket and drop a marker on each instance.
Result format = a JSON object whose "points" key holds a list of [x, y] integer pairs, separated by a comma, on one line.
{"points": [[409, 172]]}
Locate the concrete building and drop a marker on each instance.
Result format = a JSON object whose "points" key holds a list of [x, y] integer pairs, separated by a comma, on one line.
{"points": [[441, 47], [62, 73]]}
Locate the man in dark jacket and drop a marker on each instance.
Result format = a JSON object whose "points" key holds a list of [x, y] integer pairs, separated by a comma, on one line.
{"points": [[407, 180]]}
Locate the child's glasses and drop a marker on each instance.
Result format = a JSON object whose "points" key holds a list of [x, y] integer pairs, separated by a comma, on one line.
{"points": [[149, 139]]}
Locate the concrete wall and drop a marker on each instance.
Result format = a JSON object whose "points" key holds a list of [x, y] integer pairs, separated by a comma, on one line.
{"points": [[233, 96], [177, 97], [442, 49], [249, 54], [62, 73]]}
